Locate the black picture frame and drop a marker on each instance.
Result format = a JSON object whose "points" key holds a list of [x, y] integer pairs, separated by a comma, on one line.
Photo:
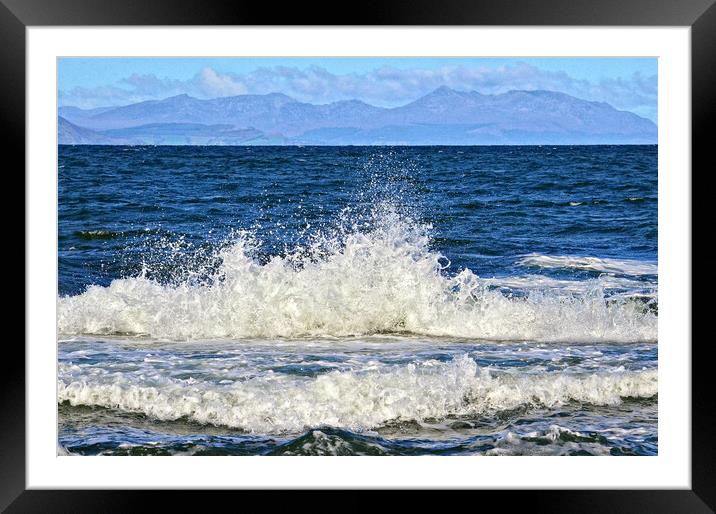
{"points": [[700, 15]]}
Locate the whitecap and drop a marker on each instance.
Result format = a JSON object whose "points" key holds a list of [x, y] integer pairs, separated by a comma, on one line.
{"points": [[619, 266], [355, 400], [381, 281]]}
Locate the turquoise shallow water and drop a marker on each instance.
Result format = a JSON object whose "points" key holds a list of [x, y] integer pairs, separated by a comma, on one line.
{"points": [[432, 300]]}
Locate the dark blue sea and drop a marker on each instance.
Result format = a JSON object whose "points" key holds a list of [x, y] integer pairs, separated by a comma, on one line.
{"points": [[357, 300]]}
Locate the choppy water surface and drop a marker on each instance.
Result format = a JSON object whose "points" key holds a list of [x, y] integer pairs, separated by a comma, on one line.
{"points": [[401, 301]]}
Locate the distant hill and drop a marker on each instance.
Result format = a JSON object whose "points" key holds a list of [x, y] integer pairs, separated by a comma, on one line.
{"points": [[444, 116], [163, 134], [76, 113], [70, 134], [192, 134]]}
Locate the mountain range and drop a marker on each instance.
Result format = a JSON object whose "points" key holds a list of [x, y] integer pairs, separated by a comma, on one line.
{"points": [[445, 116]]}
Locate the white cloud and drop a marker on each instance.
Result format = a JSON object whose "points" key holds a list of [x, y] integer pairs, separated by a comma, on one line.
{"points": [[213, 84]]}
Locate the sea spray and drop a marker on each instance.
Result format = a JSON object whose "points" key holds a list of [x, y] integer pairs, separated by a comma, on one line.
{"points": [[381, 278]]}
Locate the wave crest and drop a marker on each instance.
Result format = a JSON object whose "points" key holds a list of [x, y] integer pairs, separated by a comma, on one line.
{"points": [[385, 280], [603, 265], [355, 400]]}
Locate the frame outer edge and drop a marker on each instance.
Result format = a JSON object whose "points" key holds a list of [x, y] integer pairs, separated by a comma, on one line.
{"points": [[548, 501], [416, 12], [703, 97], [12, 112], [12, 132]]}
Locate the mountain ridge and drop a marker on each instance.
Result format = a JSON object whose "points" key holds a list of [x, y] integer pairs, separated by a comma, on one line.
{"points": [[469, 117]]}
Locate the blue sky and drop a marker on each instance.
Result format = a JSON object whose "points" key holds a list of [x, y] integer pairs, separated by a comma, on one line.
{"points": [[626, 83]]}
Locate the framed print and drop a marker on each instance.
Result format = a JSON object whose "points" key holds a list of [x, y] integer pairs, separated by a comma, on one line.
{"points": [[422, 248]]}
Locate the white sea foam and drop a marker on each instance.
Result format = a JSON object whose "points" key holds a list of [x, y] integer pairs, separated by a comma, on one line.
{"points": [[274, 402], [626, 287], [618, 266], [556, 440], [384, 280]]}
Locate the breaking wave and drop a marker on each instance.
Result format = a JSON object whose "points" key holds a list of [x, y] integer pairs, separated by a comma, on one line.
{"points": [[382, 280], [355, 400], [617, 266]]}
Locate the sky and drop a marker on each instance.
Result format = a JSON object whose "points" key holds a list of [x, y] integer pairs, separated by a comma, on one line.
{"points": [[628, 84]]}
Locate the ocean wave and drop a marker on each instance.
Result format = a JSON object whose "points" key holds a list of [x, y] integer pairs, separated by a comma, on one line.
{"points": [[554, 440], [276, 403], [379, 281], [618, 266], [98, 234], [618, 286]]}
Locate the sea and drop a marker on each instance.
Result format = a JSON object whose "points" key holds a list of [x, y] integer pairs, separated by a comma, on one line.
{"points": [[433, 300]]}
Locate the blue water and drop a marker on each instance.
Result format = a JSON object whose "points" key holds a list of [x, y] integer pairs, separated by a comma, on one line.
{"points": [[358, 300]]}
